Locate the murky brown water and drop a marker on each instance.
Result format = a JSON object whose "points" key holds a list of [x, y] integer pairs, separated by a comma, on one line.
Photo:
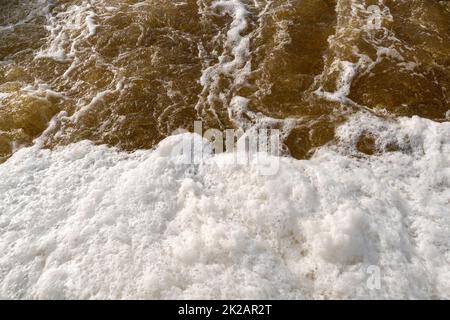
{"points": [[128, 72]]}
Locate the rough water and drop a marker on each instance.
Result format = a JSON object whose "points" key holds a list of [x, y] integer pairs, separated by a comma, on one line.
{"points": [[360, 90], [128, 73]]}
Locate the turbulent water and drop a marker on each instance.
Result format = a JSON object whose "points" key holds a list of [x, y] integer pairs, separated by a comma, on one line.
{"points": [[361, 88], [128, 73]]}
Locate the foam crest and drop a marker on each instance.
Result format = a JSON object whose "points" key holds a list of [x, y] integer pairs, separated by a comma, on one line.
{"points": [[89, 221]]}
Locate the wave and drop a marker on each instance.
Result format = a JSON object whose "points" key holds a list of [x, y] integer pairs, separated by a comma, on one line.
{"points": [[90, 222]]}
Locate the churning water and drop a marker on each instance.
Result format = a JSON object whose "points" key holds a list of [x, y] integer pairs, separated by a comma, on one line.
{"points": [[92, 207]]}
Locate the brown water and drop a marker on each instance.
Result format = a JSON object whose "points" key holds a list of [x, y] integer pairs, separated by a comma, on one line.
{"points": [[128, 73]]}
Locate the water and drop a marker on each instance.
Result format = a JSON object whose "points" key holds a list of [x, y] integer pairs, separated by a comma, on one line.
{"points": [[91, 206], [304, 65]]}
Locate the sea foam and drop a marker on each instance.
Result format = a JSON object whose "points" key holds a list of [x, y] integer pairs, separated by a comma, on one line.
{"points": [[90, 222]]}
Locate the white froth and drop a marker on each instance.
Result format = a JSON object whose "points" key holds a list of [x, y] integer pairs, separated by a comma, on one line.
{"points": [[35, 8], [90, 24], [89, 221], [235, 63], [366, 21], [4, 95], [237, 45], [348, 71], [66, 28]]}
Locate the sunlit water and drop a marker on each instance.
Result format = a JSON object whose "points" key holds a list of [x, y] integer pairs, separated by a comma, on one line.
{"points": [[128, 73]]}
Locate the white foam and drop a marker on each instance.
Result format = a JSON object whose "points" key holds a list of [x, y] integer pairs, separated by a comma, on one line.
{"points": [[234, 63], [35, 8], [236, 46], [356, 20], [89, 221], [4, 95], [348, 71], [66, 28], [90, 24]]}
